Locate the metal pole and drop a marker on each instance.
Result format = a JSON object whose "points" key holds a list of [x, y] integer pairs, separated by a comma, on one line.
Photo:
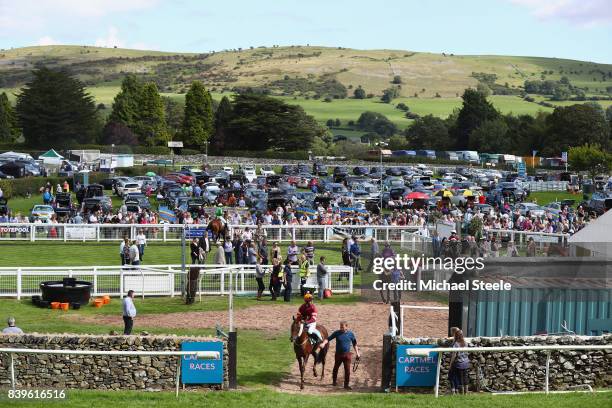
{"points": [[183, 260], [231, 300], [381, 182], [178, 374], [13, 371], [438, 374], [547, 372]]}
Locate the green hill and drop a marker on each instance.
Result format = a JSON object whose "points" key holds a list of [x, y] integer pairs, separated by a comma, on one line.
{"points": [[430, 83]]}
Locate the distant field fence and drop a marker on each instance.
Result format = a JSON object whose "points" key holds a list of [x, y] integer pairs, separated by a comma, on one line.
{"points": [[174, 232], [160, 280], [538, 186]]}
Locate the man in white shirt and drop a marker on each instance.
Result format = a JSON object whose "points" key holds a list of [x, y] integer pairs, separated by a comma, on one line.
{"points": [[11, 329], [141, 241], [134, 254], [292, 253], [129, 312]]}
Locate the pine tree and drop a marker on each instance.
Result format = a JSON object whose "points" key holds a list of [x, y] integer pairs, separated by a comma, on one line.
{"points": [[476, 109], [223, 116], [151, 126], [198, 122], [9, 129], [126, 104], [54, 110]]}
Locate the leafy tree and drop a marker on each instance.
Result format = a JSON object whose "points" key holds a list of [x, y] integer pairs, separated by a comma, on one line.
{"points": [[119, 134], [126, 105], [359, 93], [483, 89], [338, 122], [429, 132], [330, 123], [397, 142], [561, 93], [609, 113], [490, 136], [54, 110], [575, 125], [261, 122], [198, 123], [223, 116], [376, 122], [397, 79], [389, 94], [9, 128], [476, 109], [402, 106], [597, 107], [151, 127], [590, 158], [175, 114]]}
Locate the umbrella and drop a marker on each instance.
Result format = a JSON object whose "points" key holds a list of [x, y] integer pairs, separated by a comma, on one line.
{"points": [[150, 174], [468, 193], [443, 193], [416, 195]]}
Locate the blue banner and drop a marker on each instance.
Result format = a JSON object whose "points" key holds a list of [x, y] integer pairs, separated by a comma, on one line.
{"points": [[194, 371], [167, 214], [195, 232], [415, 371]]}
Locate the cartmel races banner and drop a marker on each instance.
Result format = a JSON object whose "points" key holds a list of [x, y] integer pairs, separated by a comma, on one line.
{"points": [[205, 371], [415, 371]]}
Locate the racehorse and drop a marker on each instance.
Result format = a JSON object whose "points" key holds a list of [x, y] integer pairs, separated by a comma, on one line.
{"points": [[304, 348], [219, 230]]}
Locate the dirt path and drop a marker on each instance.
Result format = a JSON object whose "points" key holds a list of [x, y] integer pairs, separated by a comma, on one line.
{"points": [[367, 320]]}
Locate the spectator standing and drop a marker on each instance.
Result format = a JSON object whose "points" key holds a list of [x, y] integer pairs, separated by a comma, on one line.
{"points": [[11, 328], [321, 277], [461, 363], [309, 250], [275, 279], [220, 255], [531, 247], [287, 280], [355, 252], [252, 254], [124, 251], [129, 313], [344, 339], [141, 241], [228, 248], [134, 254], [304, 273], [292, 253], [259, 277], [194, 251]]}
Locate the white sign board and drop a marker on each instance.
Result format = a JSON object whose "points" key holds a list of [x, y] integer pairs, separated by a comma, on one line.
{"points": [[79, 232], [153, 284], [175, 144]]}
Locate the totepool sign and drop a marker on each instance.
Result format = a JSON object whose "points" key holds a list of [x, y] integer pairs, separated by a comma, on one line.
{"points": [[415, 371], [202, 371]]}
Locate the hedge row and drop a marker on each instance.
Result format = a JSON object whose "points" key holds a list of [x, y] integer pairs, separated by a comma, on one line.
{"points": [[119, 149], [266, 154], [31, 185]]}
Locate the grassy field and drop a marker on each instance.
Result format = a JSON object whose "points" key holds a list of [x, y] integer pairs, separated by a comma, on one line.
{"points": [[267, 398]]}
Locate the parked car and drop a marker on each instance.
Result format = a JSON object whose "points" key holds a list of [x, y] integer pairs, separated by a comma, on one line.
{"points": [[123, 188], [42, 212], [266, 171]]}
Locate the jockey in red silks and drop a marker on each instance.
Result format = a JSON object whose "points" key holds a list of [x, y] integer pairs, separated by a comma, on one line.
{"points": [[308, 314]]}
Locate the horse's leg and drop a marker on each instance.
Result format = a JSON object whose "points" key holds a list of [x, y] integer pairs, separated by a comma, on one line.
{"points": [[314, 366], [322, 359], [302, 367]]}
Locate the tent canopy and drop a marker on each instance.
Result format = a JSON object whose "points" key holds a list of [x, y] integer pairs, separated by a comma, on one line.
{"points": [[51, 154]]}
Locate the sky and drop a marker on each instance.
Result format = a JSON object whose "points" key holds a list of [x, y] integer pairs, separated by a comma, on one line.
{"points": [[576, 29]]}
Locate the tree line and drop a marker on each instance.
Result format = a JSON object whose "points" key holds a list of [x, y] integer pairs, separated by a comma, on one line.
{"points": [[55, 110]]}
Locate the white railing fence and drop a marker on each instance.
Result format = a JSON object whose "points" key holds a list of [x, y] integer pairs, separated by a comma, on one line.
{"points": [[160, 280], [174, 232], [424, 352]]}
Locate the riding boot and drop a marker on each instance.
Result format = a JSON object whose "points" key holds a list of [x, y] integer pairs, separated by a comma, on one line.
{"points": [[259, 292]]}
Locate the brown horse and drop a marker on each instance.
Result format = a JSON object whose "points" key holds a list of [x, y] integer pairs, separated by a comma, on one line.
{"points": [[218, 229], [303, 348]]}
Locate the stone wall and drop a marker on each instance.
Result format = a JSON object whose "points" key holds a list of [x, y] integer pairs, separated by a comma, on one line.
{"points": [[95, 372], [525, 370]]}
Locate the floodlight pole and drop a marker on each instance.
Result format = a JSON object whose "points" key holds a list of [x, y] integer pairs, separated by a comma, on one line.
{"points": [[381, 182]]}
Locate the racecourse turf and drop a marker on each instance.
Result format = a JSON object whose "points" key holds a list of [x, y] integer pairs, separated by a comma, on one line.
{"points": [[269, 398]]}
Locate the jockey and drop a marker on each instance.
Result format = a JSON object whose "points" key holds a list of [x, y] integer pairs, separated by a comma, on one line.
{"points": [[308, 313], [219, 214]]}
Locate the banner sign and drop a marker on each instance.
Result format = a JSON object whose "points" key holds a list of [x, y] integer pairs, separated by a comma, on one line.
{"points": [[415, 371], [71, 232], [14, 230], [194, 371]]}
